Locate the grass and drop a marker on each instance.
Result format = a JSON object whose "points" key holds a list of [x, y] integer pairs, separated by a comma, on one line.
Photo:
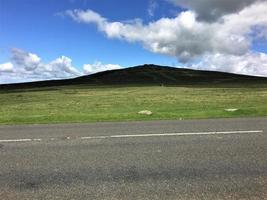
{"points": [[92, 104]]}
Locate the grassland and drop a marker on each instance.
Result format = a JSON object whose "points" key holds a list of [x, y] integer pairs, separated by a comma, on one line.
{"points": [[92, 104]]}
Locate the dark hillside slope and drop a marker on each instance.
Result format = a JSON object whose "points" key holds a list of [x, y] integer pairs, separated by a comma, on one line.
{"points": [[153, 74], [147, 75]]}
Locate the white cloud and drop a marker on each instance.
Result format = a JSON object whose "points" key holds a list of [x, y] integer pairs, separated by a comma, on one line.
{"points": [[99, 67], [184, 36], [26, 66], [62, 66], [251, 63], [88, 16], [6, 67], [28, 61]]}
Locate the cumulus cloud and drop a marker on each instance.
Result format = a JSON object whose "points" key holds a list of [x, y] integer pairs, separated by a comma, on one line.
{"points": [[63, 67], [88, 16], [212, 10], [184, 36], [98, 67], [28, 61], [6, 67], [26, 66], [251, 63]]}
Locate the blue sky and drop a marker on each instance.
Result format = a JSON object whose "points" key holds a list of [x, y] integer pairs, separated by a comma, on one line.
{"points": [[65, 38], [35, 26]]}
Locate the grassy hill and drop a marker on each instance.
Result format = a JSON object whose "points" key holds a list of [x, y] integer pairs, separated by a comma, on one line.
{"points": [[147, 75], [119, 95]]}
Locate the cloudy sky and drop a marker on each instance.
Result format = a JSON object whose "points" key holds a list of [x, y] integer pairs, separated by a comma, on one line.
{"points": [[55, 39]]}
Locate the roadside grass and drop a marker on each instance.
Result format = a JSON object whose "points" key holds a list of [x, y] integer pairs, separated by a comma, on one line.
{"points": [[71, 104]]}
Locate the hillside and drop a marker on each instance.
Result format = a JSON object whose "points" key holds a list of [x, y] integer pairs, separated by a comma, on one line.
{"points": [[146, 75], [192, 95]]}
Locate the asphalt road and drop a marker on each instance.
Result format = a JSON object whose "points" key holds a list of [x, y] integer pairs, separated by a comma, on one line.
{"points": [[195, 159]]}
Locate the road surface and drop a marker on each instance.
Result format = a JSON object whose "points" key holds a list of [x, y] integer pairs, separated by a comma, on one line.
{"points": [[194, 159]]}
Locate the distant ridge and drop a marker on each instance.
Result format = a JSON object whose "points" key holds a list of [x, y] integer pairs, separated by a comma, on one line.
{"points": [[146, 75]]}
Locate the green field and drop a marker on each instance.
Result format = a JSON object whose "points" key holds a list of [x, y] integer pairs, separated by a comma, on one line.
{"points": [[93, 104]]}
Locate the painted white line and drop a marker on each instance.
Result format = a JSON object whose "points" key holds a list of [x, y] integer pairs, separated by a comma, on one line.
{"points": [[22, 140], [136, 135], [170, 134], [95, 137], [37, 140], [17, 140]]}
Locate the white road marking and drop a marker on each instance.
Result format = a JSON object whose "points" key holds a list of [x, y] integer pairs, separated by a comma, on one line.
{"points": [[21, 140], [37, 140], [136, 135], [169, 134]]}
